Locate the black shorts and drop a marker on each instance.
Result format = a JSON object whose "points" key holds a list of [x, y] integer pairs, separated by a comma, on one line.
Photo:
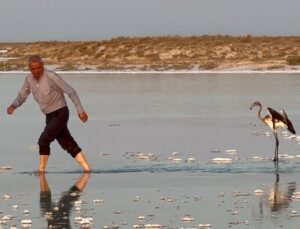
{"points": [[56, 128]]}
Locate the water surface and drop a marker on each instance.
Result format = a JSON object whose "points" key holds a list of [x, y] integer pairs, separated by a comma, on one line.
{"points": [[197, 116]]}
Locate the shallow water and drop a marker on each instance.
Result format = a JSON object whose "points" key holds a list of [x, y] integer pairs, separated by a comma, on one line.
{"points": [[198, 116]]}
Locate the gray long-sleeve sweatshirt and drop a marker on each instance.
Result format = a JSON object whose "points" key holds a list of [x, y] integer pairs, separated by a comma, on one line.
{"points": [[48, 91]]}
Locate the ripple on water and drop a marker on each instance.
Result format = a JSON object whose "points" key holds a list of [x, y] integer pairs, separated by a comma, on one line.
{"points": [[235, 166]]}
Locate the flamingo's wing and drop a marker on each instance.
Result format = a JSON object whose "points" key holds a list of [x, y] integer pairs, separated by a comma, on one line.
{"points": [[290, 126], [276, 115], [283, 118]]}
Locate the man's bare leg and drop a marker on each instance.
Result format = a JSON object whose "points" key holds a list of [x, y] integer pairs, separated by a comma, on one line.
{"points": [[43, 163], [44, 187], [82, 181], [83, 162]]}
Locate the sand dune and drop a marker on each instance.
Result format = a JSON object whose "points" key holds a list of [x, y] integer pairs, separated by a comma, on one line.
{"points": [[160, 53]]}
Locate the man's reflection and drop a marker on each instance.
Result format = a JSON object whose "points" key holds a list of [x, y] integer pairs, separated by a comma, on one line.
{"points": [[57, 214]]}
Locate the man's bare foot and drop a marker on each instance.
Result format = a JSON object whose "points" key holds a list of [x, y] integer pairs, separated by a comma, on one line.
{"points": [[43, 163], [83, 162], [41, 171]]}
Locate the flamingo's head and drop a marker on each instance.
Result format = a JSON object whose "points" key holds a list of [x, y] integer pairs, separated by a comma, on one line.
{"points": [[255, 104]]}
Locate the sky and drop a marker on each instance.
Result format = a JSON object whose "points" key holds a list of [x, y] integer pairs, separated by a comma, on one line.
{"points": [[48, 20]]}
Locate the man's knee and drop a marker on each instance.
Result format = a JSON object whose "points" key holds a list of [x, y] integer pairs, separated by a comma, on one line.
{"points": [[75, 151], [44, 151], [44, 147], [72, 150], [70, 146]]}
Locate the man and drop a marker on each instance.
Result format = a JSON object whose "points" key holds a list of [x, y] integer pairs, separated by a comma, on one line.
{"points": [[48, 90]]}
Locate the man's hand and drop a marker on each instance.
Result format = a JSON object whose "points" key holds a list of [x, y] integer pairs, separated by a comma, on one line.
{"points": [[83, 116], [10, 109]]}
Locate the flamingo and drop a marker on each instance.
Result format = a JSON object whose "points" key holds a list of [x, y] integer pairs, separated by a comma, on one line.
{"points": [[275, 120]]}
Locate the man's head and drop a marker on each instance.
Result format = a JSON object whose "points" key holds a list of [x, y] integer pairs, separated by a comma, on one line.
{"points": [[36, 66]]}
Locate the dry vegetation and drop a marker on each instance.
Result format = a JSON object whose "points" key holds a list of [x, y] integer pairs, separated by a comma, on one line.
{"points": [[160, 53]]}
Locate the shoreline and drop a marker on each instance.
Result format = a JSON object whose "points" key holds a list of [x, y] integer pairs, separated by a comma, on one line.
{"points": [[223, 71]]}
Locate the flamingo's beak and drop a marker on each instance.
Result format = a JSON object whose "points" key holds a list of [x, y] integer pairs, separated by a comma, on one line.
{"points": [[253, 105]]}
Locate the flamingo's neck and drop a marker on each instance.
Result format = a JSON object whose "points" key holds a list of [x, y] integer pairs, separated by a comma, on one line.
{"points": [[259, 113]]}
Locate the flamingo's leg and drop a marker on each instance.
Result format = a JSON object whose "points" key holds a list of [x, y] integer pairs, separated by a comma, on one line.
{"points": [[276, 146]]}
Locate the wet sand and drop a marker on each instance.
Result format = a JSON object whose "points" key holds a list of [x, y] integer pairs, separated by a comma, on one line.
{"points": [[151, 142]]}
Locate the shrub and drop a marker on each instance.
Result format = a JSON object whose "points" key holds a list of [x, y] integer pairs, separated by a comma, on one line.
{"points": [[209, 65], [68, 67], [273, 67], [293, 60], [246, 39]]}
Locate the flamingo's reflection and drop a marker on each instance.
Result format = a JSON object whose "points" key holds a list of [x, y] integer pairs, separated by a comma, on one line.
{"points": [[57, 213], [279, 196]]}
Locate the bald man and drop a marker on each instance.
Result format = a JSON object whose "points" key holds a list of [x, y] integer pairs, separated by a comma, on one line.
{"points": [[48, 90]]}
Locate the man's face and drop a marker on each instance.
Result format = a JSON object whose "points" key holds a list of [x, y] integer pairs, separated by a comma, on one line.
{"points": [[37, 69]]}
